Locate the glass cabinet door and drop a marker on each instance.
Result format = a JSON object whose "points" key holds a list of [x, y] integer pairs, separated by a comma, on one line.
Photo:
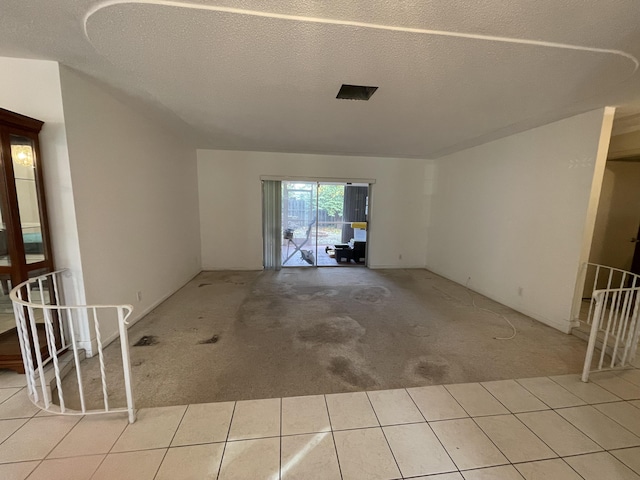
{"points": [[25, 250], [24, 174]]}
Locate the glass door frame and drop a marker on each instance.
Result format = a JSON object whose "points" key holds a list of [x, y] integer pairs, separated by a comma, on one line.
{"points": [[285, 218], [318, 182], [19, 270]]}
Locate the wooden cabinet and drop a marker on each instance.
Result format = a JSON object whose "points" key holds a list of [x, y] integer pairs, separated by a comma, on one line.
{"points": [[25, 247]]}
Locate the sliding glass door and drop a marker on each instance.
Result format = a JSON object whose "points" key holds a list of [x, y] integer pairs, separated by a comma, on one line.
{"points": [[299, 223], [323, 224]]}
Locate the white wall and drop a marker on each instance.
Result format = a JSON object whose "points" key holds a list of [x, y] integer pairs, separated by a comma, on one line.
{"points": [[32, 88], [618, 216], [136, 199], [514, 214], [231, 204]]}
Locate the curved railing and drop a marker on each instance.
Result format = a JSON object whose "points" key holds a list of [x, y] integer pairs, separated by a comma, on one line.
{"points": [[48, 342], [613, 318]]}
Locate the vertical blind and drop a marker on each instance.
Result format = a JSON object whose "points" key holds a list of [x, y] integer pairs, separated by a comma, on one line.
{"points": [[272, 224], [355, 209]]}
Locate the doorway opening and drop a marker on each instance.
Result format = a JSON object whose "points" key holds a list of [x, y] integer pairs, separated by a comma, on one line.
{"points": [[615, 238], [322, 224]]}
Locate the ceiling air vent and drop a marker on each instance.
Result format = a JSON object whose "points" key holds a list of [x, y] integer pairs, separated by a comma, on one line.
{"points": [[356, 92]]}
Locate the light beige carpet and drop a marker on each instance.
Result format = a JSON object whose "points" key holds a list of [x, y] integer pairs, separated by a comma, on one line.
{"points": [[310, 331]]}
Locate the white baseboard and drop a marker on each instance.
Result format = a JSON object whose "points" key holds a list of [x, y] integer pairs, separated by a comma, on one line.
{"points": [[564, 327], [233, 269], [106, 341], [398, 267]]}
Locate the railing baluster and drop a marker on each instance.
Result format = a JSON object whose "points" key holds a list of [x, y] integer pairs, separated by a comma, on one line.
{"points": [[622, 321], [25, 348], [634, 331], [51, 338], [60, 323], [36, 345], [56, 314], [606, 333], [615, 309], [621, 326], [126, 363], [593, 336], [76, 360], [622, 331], [595, 286], [635, 336], [103, 374]]}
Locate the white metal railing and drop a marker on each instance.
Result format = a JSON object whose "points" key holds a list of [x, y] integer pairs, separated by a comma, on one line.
{"points": [[613, 317], [47, 330]]}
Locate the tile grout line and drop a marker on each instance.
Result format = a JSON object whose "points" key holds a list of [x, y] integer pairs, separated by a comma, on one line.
{"points": [[456, 400], [557, 384], [496, 466], [27, 419], [622, 461], [535, 435], [589, 436], [578, 455], [280, 453], [553, 450], [226, 440], [524, 424], [617, 373], [12, 395], [111, 448], [41, 461], [333, 437], [484, 416], [432, 431], [54, 447], [384, 435], [595, 453], [494, 443], [549, 407], [490, 394], [170, 442], [452, 397], [422, 415], [592, 383], [27, 461], [557, 455], [613, 419]]}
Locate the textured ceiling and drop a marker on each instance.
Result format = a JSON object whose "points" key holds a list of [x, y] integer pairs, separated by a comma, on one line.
{"points": [[258, 75]]}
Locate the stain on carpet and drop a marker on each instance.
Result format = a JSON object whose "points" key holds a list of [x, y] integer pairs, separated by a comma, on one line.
{"points": [[233, 279], [319, 294], [260, 312], [345, 370], [339, 330], [146, 341], [434, 372], [419, 331], [213, 339], [375, 295]]}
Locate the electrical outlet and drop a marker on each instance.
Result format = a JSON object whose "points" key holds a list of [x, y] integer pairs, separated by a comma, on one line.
{"points": [[139, 295]]}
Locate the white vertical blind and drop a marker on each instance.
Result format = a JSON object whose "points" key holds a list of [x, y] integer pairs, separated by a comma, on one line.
{"points": [[272, 224]]}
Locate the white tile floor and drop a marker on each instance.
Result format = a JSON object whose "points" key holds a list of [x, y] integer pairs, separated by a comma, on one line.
{"points": [[546, 428]]}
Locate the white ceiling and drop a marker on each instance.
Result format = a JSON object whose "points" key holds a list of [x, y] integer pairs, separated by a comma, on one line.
{"points": [[257, 75]]}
